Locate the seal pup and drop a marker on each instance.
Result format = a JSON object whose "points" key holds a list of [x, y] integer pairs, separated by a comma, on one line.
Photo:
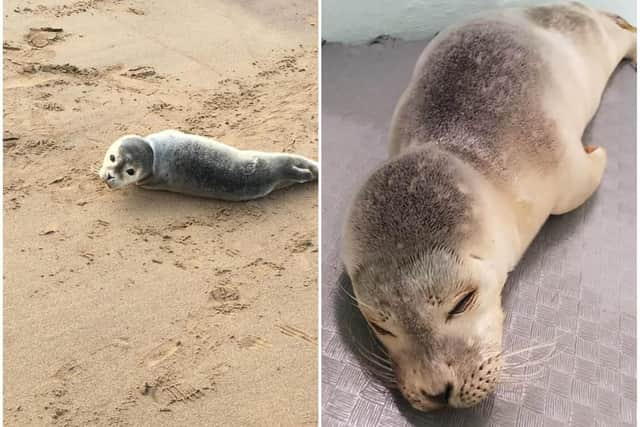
{"points": [[195, 165], [485, 144]]}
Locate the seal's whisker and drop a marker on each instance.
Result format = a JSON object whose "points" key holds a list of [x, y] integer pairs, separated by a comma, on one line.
{"points": [[526, 373], [377, 363], [545, 358], [523, 376], [352, 299], [384, 354], [534, 347], [382, 360], [490, 354], [553, 349], [384, 377], [381, 348], [358, 303], [377, 342], [387, 382], [347, 293]]}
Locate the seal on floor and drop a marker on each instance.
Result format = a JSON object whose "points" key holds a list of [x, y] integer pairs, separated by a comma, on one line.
{"points": [[485, 144]]}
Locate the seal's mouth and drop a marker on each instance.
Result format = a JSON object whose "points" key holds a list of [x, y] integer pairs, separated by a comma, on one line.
{"points": [[107, 178]]}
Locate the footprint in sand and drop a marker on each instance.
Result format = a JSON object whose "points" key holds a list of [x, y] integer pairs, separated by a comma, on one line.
{"points": [[253, 342], [162, 353], [164, 392]]}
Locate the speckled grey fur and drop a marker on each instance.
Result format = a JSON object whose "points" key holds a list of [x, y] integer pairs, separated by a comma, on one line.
{"points": [[477, 97], [197, 166], [410, 205]]}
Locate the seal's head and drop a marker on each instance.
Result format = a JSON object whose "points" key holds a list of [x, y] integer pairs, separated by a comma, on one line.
{"points": [[433, 302], [129, 160]]}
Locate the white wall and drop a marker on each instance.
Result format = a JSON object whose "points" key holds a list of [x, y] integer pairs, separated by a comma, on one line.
{"points": [[354, 21]]}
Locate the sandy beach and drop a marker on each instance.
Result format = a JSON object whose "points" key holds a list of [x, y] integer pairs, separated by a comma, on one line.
{"points": [[135, 307]]}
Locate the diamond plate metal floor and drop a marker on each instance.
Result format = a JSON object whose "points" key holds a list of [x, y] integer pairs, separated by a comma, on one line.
{"points": [[576, 284]]}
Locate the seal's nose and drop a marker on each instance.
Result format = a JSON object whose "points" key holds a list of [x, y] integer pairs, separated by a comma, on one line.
{"points": [[441, 398], [109, 177]]}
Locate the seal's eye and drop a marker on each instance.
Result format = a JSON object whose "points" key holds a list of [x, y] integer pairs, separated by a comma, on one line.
{"points": [[112, 158], [463, 304], [381, 331], [130, 171]]}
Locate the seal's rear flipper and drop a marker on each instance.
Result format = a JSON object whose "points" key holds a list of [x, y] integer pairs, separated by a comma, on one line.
{"points": [[302, 170], [629, 43], [623, 23], [633, 55], [302, 175]]}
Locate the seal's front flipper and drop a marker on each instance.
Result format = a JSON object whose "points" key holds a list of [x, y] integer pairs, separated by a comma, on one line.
{"points": [[590, 148]]}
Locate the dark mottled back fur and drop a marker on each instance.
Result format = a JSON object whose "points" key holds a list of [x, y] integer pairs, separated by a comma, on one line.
{"points": [[411, 204], [478, 97], [218, 173]]}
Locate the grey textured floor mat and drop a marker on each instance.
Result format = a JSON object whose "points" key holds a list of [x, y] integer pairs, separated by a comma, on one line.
{"points": [[576, 284]]}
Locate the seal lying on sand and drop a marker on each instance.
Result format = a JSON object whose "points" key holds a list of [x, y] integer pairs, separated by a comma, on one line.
{"points": [[485, 144], [191, 164]]}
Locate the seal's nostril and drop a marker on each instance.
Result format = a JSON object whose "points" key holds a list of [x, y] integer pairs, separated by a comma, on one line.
{"points": [[109, 176], [447, 392], [442, 398]]}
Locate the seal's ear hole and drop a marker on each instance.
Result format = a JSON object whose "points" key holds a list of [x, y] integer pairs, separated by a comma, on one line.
{"points": [[130, 171], [112, 158]]}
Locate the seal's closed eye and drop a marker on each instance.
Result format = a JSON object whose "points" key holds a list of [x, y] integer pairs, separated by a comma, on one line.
{"points": [[463, 304], [381, 331]]}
